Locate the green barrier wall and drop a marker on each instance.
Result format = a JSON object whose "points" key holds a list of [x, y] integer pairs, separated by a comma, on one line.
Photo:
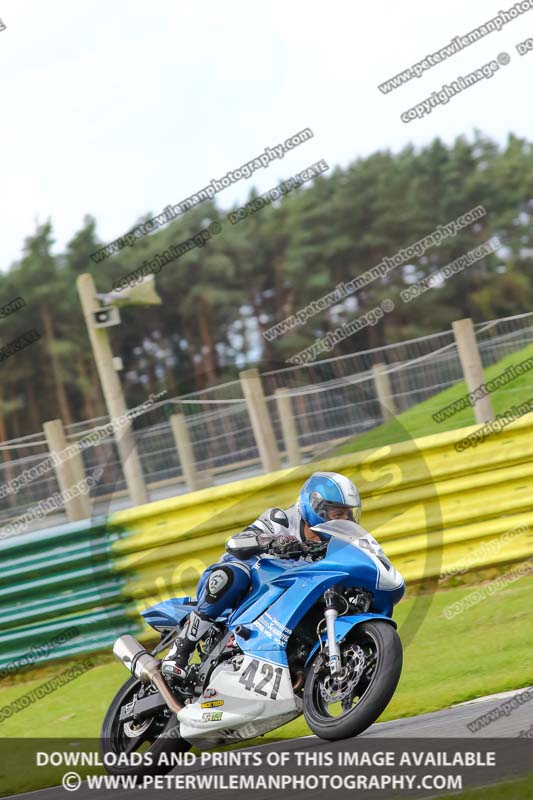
{"points": [[60, 594]]}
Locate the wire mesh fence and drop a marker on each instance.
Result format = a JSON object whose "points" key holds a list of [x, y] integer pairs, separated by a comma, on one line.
{"points": [[332, 400]]}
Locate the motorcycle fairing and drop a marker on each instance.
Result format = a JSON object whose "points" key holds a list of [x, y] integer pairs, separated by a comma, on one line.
{"points": [[271, 623], [251, 698], [263, 571], [271, 616], [168, 613]]}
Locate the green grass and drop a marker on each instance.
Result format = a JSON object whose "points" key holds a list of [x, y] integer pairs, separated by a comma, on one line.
{"points": [[446, 661], [516, 790], [417, 421]]}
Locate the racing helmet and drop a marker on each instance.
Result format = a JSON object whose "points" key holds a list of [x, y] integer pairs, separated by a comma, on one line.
{"points": [[326, 489]]}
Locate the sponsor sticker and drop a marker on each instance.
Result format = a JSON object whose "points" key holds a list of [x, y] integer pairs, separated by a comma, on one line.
{"points": [[212, 704]]}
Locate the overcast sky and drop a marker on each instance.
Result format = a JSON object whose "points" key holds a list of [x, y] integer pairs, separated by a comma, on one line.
{"points": [[117, 109]]}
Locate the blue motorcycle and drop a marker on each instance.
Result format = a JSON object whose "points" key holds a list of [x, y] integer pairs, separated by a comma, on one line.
{"points": [[312, 637]]}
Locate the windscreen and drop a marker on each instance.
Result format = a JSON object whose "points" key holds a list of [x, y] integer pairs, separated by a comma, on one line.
{"points": [[342, 529], [352, 532]]}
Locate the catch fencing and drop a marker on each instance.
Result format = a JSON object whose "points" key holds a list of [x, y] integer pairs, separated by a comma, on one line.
{"points": [[330, 401]]}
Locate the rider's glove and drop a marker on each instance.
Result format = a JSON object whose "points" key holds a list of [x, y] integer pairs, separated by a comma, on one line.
{"points": [[245, 544], [264, 540], [286, 546]]}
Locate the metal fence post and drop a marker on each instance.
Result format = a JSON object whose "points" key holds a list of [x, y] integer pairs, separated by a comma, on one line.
{"points": [[260, 419], [69, 472], [465, 337], [288, 427], [383, 390]]}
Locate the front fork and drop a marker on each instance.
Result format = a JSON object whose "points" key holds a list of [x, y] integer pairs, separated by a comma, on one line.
{"points": [[330, 615]]}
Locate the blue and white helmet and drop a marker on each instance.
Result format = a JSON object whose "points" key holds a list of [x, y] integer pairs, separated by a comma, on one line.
{"points": [[325, 489]]}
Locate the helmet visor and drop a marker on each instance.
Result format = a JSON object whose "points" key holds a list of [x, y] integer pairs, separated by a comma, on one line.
{"points": [[329, 511]]}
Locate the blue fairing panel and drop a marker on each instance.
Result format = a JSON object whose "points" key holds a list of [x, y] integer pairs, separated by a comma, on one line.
{"points": [[168, 613], [273, 614], [344, 625]]}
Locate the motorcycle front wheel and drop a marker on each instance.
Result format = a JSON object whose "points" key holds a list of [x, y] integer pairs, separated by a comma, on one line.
{"points": [[344, 705], [145, 741]]}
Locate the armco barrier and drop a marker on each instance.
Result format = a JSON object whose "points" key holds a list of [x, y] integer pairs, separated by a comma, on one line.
{"points": [[54, 580], [430, 506]]}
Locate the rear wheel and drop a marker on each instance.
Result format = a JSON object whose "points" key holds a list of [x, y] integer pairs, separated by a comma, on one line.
{"points": [[344, 705], [154, 734]]}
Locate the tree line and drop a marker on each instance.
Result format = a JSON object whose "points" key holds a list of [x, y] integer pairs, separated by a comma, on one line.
{"points": [[220, 298]]}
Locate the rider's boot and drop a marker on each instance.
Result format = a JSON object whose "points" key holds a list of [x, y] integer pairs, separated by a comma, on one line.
{"points": [[176, 661]]}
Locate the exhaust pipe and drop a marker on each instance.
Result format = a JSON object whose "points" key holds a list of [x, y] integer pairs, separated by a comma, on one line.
{"points": [[145, 667], [133, 655]]}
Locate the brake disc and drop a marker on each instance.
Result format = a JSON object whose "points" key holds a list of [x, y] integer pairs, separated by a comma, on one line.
{"points": [[133, 730], [335, 688]]}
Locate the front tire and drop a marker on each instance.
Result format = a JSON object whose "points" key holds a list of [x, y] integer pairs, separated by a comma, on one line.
{"points": [[156, 735], [341, 707]]}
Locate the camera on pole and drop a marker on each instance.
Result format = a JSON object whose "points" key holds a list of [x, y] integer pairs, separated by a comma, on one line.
{"points": [[105, 317], [142, 294]]}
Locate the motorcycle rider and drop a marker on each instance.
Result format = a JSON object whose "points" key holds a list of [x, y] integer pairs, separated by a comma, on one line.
{"points": [[277, 532]]}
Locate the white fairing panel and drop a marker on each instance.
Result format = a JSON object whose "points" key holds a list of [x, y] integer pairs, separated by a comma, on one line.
{"points": [[347, 531], [388, 577], [246, 697]]}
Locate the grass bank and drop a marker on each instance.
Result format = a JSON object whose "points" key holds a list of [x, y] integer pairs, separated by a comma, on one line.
{"points": [[418, 421]]}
